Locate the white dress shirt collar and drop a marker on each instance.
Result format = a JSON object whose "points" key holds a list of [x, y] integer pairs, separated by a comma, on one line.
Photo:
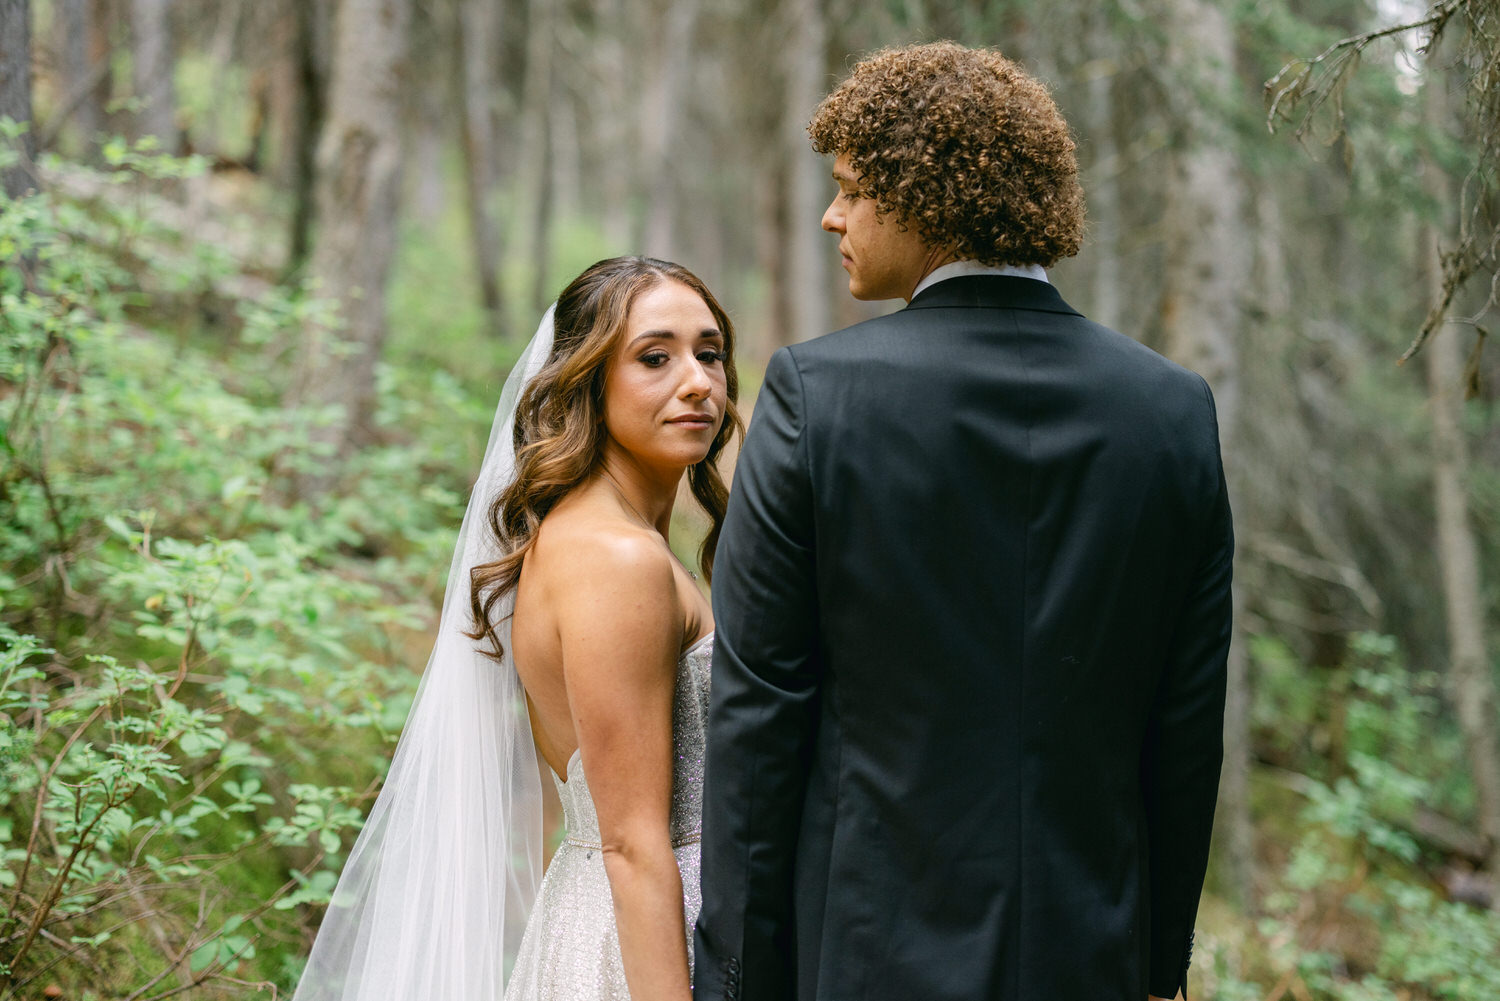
{"points": [[958, 269]]}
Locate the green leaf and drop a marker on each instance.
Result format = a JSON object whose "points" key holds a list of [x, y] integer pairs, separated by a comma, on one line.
{"points": [[204, 956]]}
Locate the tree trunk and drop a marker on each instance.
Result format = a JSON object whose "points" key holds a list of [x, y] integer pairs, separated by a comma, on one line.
{"points": [[1471, 685], [308, 106], [15, 103], [104, 20], [151, 58], [477, 31], [1208, 266], [15, 93], [773, 234], [80, 73], [612, 130], [567, 154], [661, 125], [808, 248], [1103, 176], [536, 146], [427, 195], [357, 198]]}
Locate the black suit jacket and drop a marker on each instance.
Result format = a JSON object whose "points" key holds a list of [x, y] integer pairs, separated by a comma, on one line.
{"points": [[972, 610]]}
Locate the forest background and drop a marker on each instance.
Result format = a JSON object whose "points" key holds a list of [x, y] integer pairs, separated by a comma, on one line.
{"points": [[266, 264]]}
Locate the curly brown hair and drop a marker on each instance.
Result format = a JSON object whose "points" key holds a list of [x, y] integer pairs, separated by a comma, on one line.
{"points": [[559, 427], [964, 146]]}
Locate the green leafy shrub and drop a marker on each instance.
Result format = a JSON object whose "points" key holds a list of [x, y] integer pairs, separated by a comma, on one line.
{"points": [[1351, 912], [200, 673]]}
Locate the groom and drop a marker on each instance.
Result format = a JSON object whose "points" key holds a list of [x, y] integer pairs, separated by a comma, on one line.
{"points": [[972, 599]]}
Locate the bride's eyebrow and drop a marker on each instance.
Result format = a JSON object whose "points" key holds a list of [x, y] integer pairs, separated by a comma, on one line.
{"points": [[660, 335], [666, 335]]}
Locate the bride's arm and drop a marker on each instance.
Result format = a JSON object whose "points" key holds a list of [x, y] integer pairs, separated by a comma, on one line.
{"points": [[621, 634]]}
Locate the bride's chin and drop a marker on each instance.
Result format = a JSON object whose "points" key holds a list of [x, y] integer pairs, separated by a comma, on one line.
{"points": [[677, 462], [690, 463], [686, 457]]}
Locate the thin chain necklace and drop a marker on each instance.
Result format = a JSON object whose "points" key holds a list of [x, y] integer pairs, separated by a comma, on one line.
{"points": [[619, 492]]}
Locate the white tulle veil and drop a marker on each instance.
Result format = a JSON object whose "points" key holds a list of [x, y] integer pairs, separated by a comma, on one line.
{"points": [[435, 895]]}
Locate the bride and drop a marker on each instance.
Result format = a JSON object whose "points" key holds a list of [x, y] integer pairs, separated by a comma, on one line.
{"points": [[569, 630]]}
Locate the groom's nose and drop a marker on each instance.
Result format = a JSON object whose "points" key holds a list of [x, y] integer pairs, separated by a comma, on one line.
{"points": [[833, 219]]}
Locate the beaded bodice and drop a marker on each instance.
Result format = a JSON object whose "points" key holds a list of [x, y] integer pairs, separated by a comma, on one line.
{"points": [[689, 727]]}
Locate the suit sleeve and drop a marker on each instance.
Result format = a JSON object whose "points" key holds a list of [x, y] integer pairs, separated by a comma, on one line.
{"points": [[1185, 745], [763, 715]]}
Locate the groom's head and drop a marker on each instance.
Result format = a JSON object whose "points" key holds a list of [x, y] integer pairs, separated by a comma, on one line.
{"points": [[945, 153]]}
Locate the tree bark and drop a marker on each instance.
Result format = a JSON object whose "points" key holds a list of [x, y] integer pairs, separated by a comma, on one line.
{"points": [[15, 93], [80, 73], [1208, 266], [808, 248], [308, 107], [151, 57], [104, 18], [477, 31], [567, 154], [661, 126], [1100, 59], [428, 135], [612, 126], [536, 145], [1471, 684], [357, 198], [15, 103], [773, 232]]}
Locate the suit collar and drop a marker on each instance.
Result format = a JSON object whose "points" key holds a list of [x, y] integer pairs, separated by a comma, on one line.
{"points": [[992, 292]]}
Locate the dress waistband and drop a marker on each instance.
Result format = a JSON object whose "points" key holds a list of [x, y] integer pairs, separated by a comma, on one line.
{"points": [[679, 842]]}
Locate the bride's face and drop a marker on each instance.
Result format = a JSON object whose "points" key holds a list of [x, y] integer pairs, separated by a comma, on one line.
{"points": [[665, 388]]}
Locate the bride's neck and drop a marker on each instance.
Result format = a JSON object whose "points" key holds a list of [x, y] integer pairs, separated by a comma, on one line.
{"points": [[646, 494]]}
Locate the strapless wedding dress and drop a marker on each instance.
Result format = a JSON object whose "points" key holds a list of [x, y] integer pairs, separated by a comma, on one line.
{"points": [[571, 949]]}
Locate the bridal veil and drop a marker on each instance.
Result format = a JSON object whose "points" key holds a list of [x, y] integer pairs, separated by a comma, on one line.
{"points": [[434, 897]]}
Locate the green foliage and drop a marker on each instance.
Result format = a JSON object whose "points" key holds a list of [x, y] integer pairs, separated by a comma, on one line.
{"points": [[1349, 912], [197, 667], [1371, 723]]}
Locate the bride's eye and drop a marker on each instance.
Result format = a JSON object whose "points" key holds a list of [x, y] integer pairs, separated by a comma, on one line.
{"points": [[711, 356], [655, 359]]}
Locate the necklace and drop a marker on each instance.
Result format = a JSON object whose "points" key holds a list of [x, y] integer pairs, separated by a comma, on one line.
{"points": [[633, 510]]}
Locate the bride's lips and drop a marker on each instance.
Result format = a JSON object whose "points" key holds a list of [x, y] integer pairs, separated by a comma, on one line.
{"points": [[694, 421]]}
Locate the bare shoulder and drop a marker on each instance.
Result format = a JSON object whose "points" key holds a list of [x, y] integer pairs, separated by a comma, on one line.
{"points": [[577, 542], [597, 565]]}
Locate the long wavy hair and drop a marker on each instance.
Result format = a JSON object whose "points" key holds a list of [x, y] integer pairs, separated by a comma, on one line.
{"points": [[559, 426]]}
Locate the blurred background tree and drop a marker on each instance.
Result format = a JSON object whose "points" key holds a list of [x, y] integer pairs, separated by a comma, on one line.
{"points": [[267, 263]]}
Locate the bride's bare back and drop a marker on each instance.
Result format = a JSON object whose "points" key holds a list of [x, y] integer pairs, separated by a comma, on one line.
{"points": [[599, 574]]}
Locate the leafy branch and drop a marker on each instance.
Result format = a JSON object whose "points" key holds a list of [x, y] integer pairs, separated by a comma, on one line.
{"points": [[1304, 89]]}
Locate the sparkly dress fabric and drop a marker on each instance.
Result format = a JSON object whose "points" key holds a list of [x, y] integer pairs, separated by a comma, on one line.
{"points": [[571, 950]]}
